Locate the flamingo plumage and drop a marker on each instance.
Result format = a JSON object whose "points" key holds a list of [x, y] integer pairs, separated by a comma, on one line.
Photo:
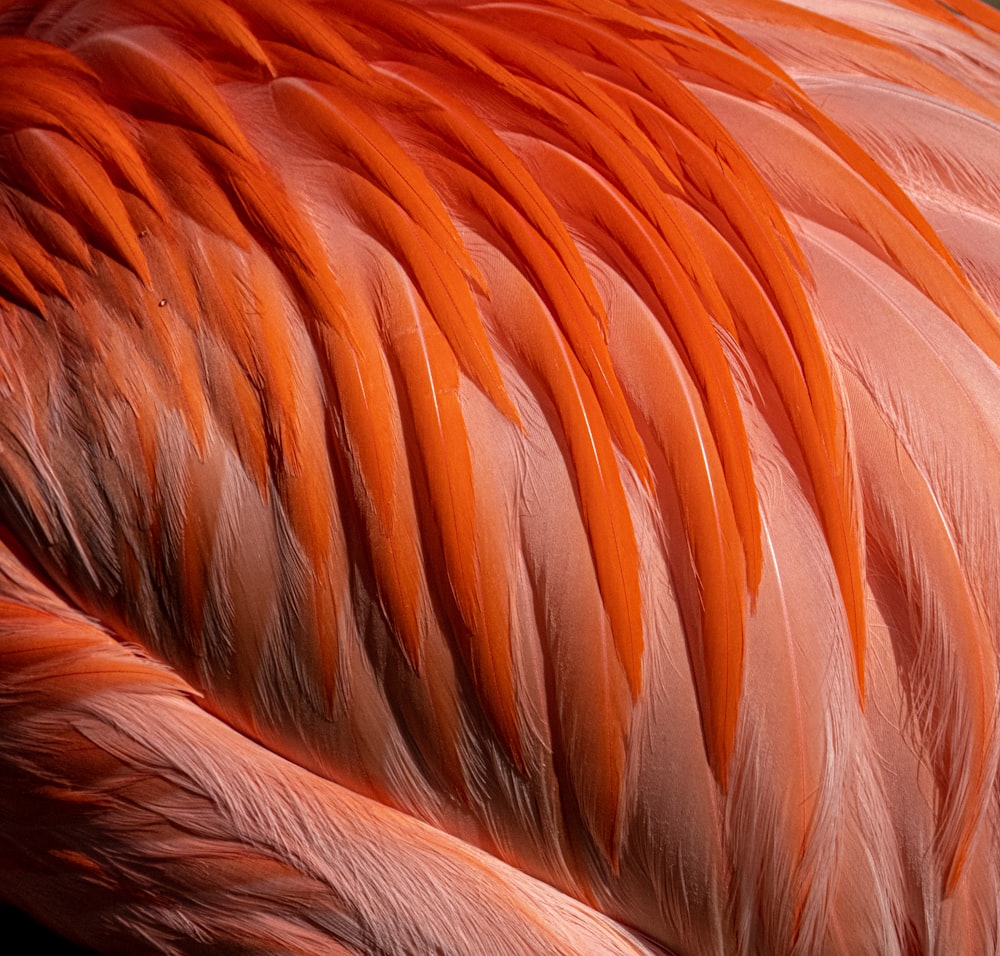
{"points": [[506, 477]]}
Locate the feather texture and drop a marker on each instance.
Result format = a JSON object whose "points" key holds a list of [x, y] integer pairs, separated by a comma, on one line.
{"points": [[501, 477]]}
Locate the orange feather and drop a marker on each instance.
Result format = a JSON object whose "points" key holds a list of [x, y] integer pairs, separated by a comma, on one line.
{"points": [[501, 477]]}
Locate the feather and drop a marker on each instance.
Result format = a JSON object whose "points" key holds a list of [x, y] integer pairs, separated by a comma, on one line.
{"points": [[925, 529], [477, 581], [62, 175], [103, 705], [568, 288], [440, 277], [638, 254], [147, 71], [502, 477]]}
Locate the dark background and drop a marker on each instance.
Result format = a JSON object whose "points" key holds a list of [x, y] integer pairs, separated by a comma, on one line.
{"points": [[20, 935]]}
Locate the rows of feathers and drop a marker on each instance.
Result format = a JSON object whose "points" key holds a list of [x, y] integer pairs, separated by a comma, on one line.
{"points": [[505, 477]]}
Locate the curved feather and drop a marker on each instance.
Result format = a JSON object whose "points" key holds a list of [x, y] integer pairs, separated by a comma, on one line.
{"points": [[287, 866], [568, 287], [440, 276]]}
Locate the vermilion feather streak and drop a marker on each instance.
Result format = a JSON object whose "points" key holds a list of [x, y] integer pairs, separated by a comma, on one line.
{"points": [[504, 477]]}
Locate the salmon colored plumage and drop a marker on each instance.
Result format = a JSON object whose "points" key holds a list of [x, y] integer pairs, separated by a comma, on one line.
{"points": [[501, 478]]}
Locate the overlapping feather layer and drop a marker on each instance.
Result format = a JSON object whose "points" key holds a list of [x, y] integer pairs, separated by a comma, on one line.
{"points": [[505, 477]]}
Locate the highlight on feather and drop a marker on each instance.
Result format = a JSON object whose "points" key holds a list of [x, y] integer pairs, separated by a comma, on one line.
{"points": [[511, 476]]}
